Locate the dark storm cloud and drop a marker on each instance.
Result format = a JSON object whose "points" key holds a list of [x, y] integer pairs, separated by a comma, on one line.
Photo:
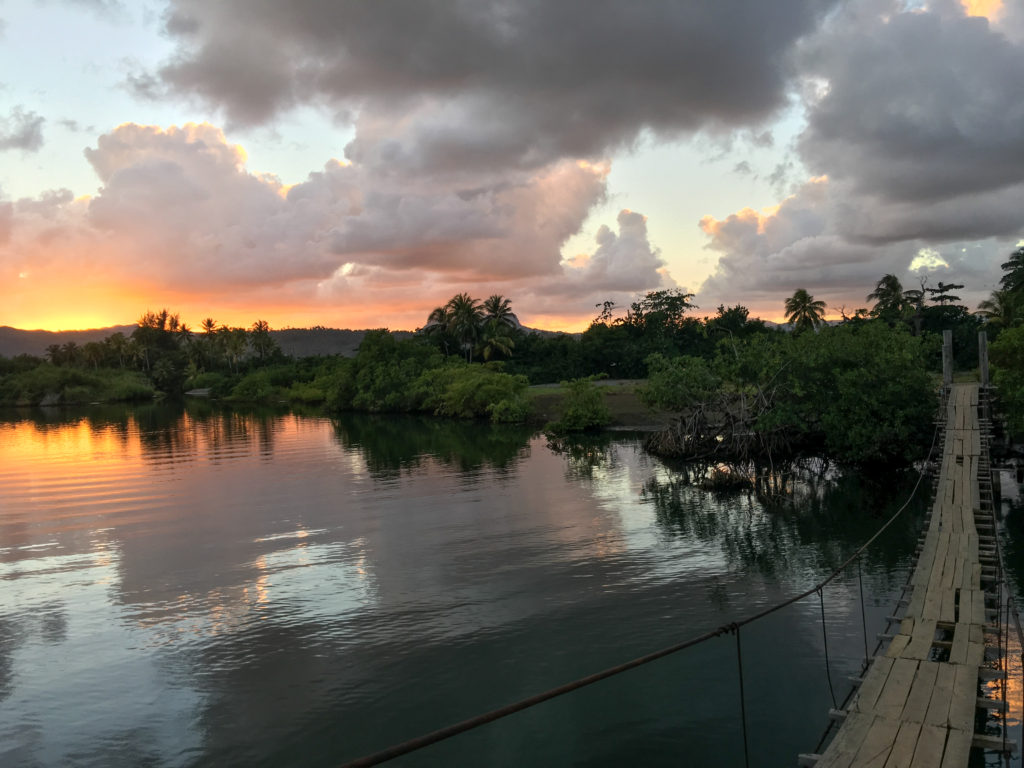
{"points": [[21, 130], [522, 83], [915, 125], [921, 108]]}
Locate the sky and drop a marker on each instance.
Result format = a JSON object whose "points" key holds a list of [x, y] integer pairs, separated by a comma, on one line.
{"points": [[354, 164]]}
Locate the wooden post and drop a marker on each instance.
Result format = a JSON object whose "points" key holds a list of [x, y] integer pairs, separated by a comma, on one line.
{"points": [[983, 357], [947, 359]]}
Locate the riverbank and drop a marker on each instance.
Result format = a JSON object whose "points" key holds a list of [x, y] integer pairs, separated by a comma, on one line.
{"points": [[548, 401]]}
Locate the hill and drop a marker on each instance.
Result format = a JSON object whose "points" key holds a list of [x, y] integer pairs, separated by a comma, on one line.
{"points": [[14, 341], [299, 342]]}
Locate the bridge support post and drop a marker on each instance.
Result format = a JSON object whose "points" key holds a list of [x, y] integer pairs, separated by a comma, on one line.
{"points": [[983, 358], [947, 363]]}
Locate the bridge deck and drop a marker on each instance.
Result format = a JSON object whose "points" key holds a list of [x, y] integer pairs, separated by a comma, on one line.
{"points": [[916, 704]]}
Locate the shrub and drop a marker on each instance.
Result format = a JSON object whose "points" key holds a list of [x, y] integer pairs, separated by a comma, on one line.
{"points": [[584, 407]]}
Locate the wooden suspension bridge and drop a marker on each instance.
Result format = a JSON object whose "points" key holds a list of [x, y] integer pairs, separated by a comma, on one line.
{"points": [[917, 703]]}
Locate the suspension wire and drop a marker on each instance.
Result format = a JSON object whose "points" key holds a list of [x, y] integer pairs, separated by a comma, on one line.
{"points": [[824, 635], [469, 724], [863, 617], [743, 705], [1005, 661], [1011, 608]]}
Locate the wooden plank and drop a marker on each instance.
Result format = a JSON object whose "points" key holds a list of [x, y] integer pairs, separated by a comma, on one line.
{"points": [[897, 688], [958, 653], [916, 708], [897, 645], [977, 607], [965, 696], [903, 747], [878, 743], [975, 648], [872, 686], [920, 645], [843, 748], [958, 749], [930, 746], [938, 707]]}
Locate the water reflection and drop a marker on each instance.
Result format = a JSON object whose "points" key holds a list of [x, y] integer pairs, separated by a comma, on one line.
{"points": [[392, 445], [833, 511], [191, 585]]}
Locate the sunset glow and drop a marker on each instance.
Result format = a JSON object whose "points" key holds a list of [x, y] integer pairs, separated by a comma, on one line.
{"points": [[304, 199]]}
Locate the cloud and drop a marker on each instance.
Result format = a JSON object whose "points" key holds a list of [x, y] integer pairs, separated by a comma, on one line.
{"points": [[913, 125], [918, 108], [179, 212], [808, 242], [624, 263], [21, 130], [503, 83]]}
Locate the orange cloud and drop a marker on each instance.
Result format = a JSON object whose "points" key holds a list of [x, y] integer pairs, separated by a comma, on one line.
{"points": [[988, 8], [180, 222]]}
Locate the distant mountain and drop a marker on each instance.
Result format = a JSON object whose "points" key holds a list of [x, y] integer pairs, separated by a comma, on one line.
{"points": [[304, 342], [14, 341], [298, 342]]}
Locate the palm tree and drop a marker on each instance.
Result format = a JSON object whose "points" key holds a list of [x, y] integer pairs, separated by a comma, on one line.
{"points": [[1000, 309], [1013, 280], [497, 307], [438, 319], [236, 342], [803, 311], [118, 345], [262, 342], [888, 298], [464, 318], [496, 339]]}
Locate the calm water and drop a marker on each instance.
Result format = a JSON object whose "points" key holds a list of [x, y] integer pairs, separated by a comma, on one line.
{"points": [[197, 587]]}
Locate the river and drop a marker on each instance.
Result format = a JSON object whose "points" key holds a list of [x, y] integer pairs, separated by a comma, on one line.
{"points": [[197, 586]]}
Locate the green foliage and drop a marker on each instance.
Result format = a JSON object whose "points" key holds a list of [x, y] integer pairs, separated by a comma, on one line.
{"points": [[219, 384], [1006, 355], [864, 393], [256, 387], [475, 391], [803, 311], [584, 407], [674, 384], [52, 384], [859, 393]]}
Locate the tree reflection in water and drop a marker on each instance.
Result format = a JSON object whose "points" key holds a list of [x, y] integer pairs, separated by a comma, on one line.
{"points": [[391, 445], [771, 519]]}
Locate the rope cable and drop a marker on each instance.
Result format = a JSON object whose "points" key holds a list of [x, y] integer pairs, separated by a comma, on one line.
{"points": [[743, 704], [824, 635], [863, 616]]}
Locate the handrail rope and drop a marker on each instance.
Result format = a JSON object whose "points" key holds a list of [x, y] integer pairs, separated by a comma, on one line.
{"points": [[824, 636], [743, 700], [455, 729], [863, 615], [1011, 607]]}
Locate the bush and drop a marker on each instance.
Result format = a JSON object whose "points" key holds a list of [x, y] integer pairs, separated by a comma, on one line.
{"points": [[1007, 358], [678, 383], [584, 408], [72, 386], [256, 387], [473, 391], [219, 384]]}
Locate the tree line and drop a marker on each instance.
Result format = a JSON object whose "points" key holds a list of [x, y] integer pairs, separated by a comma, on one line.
{"points": [[473, 358]]}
